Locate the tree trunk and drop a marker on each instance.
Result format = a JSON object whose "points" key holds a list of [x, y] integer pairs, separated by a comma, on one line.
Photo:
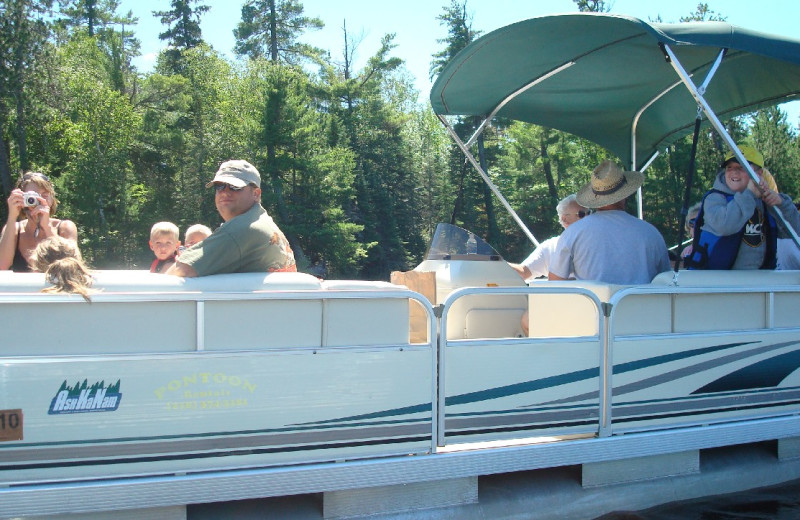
{"points": [[273, 32], [459, 195], [548, 168], [91, 16], [492, 231], [18, 91], [5, 169], [22, 142], [5, 160]]}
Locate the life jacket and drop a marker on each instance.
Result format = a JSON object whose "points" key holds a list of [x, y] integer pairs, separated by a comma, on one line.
{"points": [[158, 265], [710, 251]]}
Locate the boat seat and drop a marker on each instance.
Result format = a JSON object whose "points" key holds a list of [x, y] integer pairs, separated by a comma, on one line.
{"points": [[138, 281], [700, 278], [166, 319], [374, 321], [756, 297], [566, 315]]}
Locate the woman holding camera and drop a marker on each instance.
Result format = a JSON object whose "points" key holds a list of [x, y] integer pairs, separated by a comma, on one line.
{"points": [[30, 207]]}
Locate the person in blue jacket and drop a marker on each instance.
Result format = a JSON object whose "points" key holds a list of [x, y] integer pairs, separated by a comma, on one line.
{"points": [[737, 228]]}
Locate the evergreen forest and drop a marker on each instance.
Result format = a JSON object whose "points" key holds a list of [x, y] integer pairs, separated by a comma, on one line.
{"points": [[355, 170]]}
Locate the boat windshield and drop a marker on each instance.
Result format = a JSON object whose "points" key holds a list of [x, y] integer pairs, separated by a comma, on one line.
{"points": [[453, 243]]}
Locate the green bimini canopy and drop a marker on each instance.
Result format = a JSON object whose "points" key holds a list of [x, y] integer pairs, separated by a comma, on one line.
{"points": [[606, 77]]}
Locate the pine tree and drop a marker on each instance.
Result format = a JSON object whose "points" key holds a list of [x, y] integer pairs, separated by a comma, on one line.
{"points": [[183, 29], [23, 41], [474, 204], [271, 28]]}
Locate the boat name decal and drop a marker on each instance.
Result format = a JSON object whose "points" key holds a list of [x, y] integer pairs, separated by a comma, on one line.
{"points": [[206, 390], [83, 398]]}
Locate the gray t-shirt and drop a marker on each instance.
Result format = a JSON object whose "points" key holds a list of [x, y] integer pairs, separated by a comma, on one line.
{"points": [[611, 246], [248, 243]]}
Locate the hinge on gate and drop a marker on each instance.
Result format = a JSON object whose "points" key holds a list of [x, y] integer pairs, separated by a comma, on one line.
{"points": [[606, 309], [438, 309]]}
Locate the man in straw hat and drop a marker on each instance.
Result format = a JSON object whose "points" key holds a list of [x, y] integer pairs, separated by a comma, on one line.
{"points": [[248, 241], [610, 245]]}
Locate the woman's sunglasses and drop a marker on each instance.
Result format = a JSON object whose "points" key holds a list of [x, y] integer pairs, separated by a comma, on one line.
{"points": [[34, 175]]}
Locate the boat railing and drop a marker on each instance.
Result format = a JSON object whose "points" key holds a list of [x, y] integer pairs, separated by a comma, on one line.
{"points": [[344, 399], [529, 384], [605, 359], [137, 384], [704, 351], [127, 320]]}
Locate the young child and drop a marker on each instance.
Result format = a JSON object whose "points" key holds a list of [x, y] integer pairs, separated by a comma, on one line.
{"points": [[195, 234], [735, 228], [164, 242], [60, 259]]}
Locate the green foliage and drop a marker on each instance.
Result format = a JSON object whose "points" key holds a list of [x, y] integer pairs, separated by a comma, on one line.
{"points": [[703, 13], [183, 31], [96, 173], [536, 168], [355, 171], [271, 28], [773, 136], [460, 33], [23, 53], [183, 24], [592, 6], [189, 125]]}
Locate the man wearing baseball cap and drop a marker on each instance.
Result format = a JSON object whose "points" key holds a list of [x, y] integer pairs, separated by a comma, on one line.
{"points": [[248, 241]]}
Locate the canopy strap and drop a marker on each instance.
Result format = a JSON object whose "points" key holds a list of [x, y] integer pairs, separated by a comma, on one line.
{"points": [[689, 180]]}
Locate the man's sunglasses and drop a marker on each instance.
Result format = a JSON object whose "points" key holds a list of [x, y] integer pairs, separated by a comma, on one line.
{"points": [[219, 187], [580, 214]]}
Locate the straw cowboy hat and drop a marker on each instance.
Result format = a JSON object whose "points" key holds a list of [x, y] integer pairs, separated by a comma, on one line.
{"points": [[609, 184]]}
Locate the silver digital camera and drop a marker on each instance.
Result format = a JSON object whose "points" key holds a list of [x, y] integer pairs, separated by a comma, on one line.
{"points": [[30, 199]]}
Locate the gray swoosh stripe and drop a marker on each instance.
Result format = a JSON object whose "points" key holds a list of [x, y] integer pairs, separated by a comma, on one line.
{"points": [[184, 446], [711, 404], [674, 374]]}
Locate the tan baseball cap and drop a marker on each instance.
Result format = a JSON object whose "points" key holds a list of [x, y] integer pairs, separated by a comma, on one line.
{"points": [[237, 173]]}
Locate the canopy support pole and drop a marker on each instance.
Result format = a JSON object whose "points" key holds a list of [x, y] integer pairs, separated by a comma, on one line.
{"points": [[693, 155], [513, 95], [639, 207], [715, 122], [486, 179]]}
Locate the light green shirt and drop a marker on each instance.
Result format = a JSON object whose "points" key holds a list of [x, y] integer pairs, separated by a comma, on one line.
{"points": [[248, 243]]}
